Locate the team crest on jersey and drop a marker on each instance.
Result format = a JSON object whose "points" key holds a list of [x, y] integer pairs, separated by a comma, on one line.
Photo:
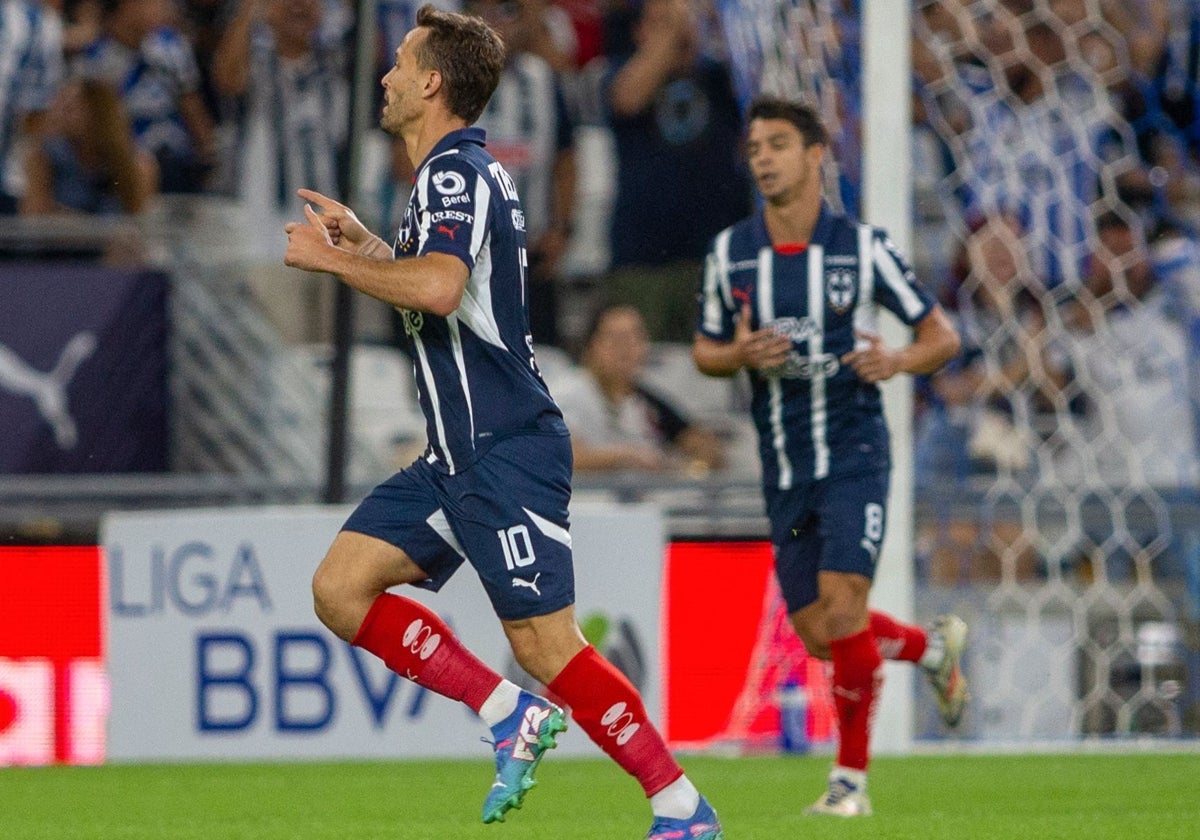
{"points": [[404, 240], [413, 321], [839, 289]]}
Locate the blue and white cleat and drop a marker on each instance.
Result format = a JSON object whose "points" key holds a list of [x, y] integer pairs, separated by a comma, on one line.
{"points": [[522, 739], [702, 825]]}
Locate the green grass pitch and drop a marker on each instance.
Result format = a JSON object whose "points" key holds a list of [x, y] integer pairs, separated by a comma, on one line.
{"points": [[957, 797]]}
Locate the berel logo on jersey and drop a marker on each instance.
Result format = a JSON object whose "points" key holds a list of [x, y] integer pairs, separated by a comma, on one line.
{"points": [[449, 183], [839, 289]]}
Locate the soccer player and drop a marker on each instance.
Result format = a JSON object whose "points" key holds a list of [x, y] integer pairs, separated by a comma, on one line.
{"points": [[495, 482], [791, 294]]}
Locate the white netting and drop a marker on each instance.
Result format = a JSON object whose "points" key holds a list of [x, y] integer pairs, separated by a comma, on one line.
{"points": [[1057, 466]]}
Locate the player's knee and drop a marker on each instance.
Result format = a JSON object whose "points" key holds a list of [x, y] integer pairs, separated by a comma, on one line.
{"points": [[335, 602], [812, 633]]}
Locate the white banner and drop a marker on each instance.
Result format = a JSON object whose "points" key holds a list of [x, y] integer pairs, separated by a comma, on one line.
{"points": [[214, 651]]}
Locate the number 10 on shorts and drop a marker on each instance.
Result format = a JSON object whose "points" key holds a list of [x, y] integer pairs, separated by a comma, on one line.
{"points": [[518, 549]]}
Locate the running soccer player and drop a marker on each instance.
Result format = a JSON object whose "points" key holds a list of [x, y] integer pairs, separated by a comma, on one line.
{"points": [[792, 294], [495, 482]]}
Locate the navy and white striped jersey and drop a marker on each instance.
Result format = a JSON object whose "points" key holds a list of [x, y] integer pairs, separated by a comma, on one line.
{"points": [[815, 417], [296, 125], [31, 69], [477, 380]]}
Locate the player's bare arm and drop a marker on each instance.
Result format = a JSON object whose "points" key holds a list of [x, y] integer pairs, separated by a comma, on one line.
{"points": [[432, 283], [753, 349], [935, 342]]}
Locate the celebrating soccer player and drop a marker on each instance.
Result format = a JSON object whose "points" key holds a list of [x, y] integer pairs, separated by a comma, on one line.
{"points": [[792, 294], [495, 482]]}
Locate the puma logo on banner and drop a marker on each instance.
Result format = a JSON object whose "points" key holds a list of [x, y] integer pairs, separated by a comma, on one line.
{"points": [[49, 390]]}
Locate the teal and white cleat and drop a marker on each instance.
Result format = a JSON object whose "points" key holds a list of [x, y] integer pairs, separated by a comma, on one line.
{"points": [[702, 825], [522, 739], [947, 679], [845, 797]]}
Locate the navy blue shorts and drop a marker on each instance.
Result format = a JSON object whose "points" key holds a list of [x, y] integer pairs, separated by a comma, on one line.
{"points": [[831, 525], [506, 515]]}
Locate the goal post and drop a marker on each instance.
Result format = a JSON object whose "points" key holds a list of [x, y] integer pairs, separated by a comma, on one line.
{"points": [[887, 203]]}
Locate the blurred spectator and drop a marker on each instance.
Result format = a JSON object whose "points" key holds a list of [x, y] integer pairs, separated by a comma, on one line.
{"points": [[81, 23], [987, 410], [153, 68], [30, 72], [615, 422], [1039, 133], [87, 162], [1131, 362], [1011, 375], [296, 104], [680, 179], [530, 133], [1175, 259], [293, 83]]}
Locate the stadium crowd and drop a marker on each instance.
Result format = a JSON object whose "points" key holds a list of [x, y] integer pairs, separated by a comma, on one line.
{"points": [[1057, 184]]}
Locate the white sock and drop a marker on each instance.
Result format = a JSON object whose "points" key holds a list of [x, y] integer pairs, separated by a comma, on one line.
{"points": [[858, 778], [935, 652], [501, 703], [678, 800]]}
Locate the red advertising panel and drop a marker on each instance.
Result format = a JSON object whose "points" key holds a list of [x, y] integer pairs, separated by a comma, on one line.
{"points": [[730, 653], [53, 689]]}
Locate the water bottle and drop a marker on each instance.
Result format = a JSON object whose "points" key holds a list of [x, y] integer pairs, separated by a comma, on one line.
{"points": [[793, 717]]}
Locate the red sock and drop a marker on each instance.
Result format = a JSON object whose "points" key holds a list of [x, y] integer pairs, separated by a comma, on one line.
{"points": [[904, 642], [417, 644], [609, 709], [857, 679]]}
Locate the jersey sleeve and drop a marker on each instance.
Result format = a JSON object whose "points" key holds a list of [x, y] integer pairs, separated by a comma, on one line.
{"points": [[717, 310], [454, 201], [896, 287]]}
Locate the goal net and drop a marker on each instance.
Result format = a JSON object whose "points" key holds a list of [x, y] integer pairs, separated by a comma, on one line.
{"points": [[1056, 460]]}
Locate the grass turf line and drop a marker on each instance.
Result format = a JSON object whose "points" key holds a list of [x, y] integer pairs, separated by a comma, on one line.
{"points": [[1049, 797]]}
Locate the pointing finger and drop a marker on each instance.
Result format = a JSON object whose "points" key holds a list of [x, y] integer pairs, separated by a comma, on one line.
{"points": [[317, 198], [313, 218]]}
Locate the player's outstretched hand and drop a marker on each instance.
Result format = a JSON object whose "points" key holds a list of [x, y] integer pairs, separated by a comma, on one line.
{"points": [[761, 349], [871, 359], [345, 230]]}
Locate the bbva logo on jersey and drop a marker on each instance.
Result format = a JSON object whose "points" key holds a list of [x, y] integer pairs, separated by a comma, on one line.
{"points": [[839, 289]]}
